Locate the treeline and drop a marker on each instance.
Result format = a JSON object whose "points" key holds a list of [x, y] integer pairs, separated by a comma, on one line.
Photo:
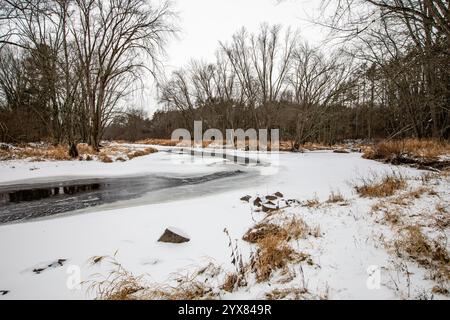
{"points": [[390, 77], [66, 65]]}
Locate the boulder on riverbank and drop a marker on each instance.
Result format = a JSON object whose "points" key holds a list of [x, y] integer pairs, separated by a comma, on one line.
{"points": [[172, 235]]}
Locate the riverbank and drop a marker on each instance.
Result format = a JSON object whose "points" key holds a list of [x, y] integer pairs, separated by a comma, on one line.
{"points": [[43, 259]]}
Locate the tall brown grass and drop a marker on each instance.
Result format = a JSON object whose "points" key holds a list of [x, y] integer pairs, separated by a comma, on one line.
{"points": [[39, 153], [414, 245], [336, 197], [61, 152], [121, 284], [376, 187], [273, 253], [288, 293], [141, 153], [413, 148]]}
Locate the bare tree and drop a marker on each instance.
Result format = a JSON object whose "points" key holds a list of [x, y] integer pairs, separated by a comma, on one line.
{"points": [[317, 83], [115, 41], [414, 34]]}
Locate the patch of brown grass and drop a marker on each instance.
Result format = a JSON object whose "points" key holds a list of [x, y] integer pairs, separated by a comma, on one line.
{"points": [[440, 289], [185, 290], [413, 244], [336, 197], [273, 253], [292, 229], [392, 217], [233, 281], [287, 294], [442, 216], [407, 198], [130, 288], [316, 146], [105, 158], [158, 142], [263, 230], [84, 148], [414, 148], [296, 229], [141, 153], [48, 152], [123, 285], [376, 188], [312, 203]]}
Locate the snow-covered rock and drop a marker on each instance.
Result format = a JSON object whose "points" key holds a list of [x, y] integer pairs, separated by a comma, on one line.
{"points": [[173, 235]]}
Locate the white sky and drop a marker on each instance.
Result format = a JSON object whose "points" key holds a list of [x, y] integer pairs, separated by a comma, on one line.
{"points": [[203, 23]]}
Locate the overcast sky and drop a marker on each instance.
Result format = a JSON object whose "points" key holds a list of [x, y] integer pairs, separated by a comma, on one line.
{"points": [[203, 23]]}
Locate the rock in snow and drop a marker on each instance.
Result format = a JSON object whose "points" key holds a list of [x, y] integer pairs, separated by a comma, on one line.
{"points": [[172, 235], [279, 195]]}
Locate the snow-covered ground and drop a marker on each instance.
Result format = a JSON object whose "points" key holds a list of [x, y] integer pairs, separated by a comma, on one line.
{"points": [[342, 256]]}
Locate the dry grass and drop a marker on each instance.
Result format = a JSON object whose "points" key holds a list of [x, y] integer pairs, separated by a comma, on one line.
{"points": [[158, 142], [129, 288], [295, 229], [263, 230], [170, 143], [407, 198], [392, 217], [414, 148], [285, 145], [287, 294], [315, 146], [187, 288], [122, 153], [273, 250], [312, 203], [375, 187], [123, 285], [105, 158], [292, 229], [442, 220], [61, 152], [38, 153], [273, 253], [413, 244], [440, 290], [141, 153], [231, 282], [336, 197], [84, 148]]}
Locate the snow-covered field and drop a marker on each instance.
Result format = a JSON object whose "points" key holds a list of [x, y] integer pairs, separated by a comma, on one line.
{"points": [[350, 243]]}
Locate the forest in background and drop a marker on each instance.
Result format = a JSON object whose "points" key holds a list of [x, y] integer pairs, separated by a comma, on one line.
{"points": [[67, 65]]}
